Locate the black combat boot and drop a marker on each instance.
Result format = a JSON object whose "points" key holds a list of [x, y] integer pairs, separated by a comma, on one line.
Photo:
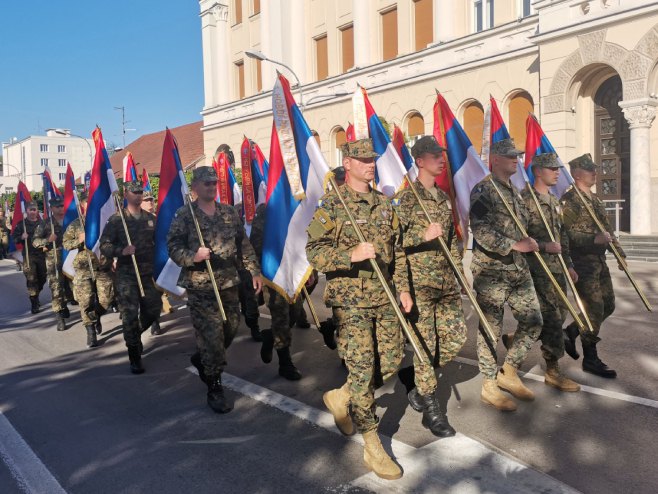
{"points": [[286, 368], [98, 326], [195, 360], [135, 357], [61, 323], [433, 417], [328, 330], [592, 363], [415, 400], [91, 336], [65, 312], [34, 302], [267, 346], [216, 399], [252, 324], [570, 336], [155, 328]]}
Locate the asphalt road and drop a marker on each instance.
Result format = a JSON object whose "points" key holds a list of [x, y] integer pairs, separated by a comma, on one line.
{"points": [[75, 420]]}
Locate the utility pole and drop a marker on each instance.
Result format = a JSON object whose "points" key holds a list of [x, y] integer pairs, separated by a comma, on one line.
{"points": [[123, 124]]}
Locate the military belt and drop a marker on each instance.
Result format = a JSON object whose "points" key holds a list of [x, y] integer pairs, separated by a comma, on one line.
{"points": [[355, 273], [506, 260], [215, 262]]}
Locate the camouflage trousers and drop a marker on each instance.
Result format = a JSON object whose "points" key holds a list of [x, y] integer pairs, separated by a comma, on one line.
{"points": [[36, 275], [137, 313], [280, 312], [94, 297], [248, 298], [56, 282], [494, 288], [213, 337], [553, 313], [595, 288], [371, 342], [438, 321]]}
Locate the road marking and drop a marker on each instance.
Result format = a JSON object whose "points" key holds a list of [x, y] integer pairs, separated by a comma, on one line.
{"points": [[587, 389], [30, 473]]}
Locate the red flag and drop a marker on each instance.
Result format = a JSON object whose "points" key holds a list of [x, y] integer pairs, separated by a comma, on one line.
{"points": [[248, 193], [129, 170], [22, 197], [223, 186], [349, 133]]}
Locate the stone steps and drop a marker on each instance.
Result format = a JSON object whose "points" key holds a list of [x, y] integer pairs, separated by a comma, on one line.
{"points": [[640, 247]]}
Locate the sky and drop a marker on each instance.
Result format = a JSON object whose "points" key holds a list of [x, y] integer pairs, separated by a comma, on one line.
{"points": [[68, 63]]}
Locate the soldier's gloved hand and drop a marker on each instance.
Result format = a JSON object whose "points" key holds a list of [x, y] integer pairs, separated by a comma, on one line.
{"points": [[527, 244], [553, 248], [433, 231], [202, 254], [258, 284], [362, 252], [573, 275], [24, 236], [128, 250], [602, 238], [406, 301], [52, 237], [81, 238]]}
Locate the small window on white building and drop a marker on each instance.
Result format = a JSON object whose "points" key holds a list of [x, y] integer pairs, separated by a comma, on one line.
{"points": [[483, 15], [43, 148], [61, 148], [44, 161], [62, 162], [62, 176], [525, 9]]}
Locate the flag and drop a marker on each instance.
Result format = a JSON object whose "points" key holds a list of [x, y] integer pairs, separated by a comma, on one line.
{"points": [[284, 264], [389, 169], [349, 133], [248, 190], [146, 182], [401, 147], [221, 166], [129, 170], [260, 168], [171, 196], [50, 190], [466, 167], [22, 197], [70, 214], [87, 180], [100, 201]]}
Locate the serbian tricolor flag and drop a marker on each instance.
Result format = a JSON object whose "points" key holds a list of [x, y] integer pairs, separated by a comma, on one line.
{"points": [[22, 197], [349, 133], [389, 169], [284, 264], [172, 194], [401, 148], [466, 167], [146, 182], [50, 190], [260, 170], [100, 203], [494, 130], [70, 214], [129, 170]]}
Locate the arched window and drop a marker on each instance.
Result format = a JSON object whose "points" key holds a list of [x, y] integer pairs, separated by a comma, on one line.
{"points": [[415, 127], [474, 124], [520, 106], [317, 138], [338, 138]]}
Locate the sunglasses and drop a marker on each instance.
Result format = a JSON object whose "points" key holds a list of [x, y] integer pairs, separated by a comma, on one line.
{"points": [[208, 184]]}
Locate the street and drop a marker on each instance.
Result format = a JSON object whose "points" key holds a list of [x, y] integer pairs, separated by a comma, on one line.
{"points": [[76, 420]]}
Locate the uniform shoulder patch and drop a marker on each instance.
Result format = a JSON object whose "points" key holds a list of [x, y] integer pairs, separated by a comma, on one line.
{"points": [[395, 201], [320, 224]]}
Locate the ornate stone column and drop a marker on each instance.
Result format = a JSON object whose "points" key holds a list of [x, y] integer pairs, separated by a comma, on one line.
{"points": [[640, 114]]}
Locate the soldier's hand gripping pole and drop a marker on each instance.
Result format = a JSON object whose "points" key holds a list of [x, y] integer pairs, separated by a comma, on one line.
{"points": [[311, 307], [25, 247], [620, 259], [208, 265], [380, 276], [565, 269], [52, 231], [458, 273], [125, 229], [539, 258]]}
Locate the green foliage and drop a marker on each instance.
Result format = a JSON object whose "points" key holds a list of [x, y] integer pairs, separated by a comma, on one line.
{"points": [[386, 125]]}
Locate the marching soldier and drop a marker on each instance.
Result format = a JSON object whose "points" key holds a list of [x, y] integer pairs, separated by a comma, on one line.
{"points": [[50, 242], [225, 240], [437, 316], [501, 274], [35, 271], [370, 338], [148, 205], [4, 235], [137, 312], [546, 169], [588, 246]]}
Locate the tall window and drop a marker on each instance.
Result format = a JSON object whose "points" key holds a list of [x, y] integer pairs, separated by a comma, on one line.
{"points": [[483, 15], [61, 148], [61, 162], [255, 7], [43, 148], [474, 124], [339, 139], [389, 35], [239, 78], [259, 76], [520, 106], [44, 161], [415, 127], [62, 177], [321, 58], [424, 25], [525, 9], [347, 48], [238, 11]]}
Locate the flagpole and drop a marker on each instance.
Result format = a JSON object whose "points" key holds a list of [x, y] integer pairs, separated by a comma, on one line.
{"points": [[125, 229], [46, 197], [27, 254], [82, 223], [311, 307]]}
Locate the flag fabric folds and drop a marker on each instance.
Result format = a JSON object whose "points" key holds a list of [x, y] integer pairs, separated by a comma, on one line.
{"points": [[248, 190], [171, 196], [401, 147], [349, 133], [146, 182], [129, 170], [70, 214], [50, 190], [260, 170], [22, 197]]}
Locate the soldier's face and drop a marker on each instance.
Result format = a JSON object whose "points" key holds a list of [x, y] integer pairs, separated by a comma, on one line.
{"points": [[32, 214], [548, 176], [58, 211], [205, 190], [586, 177], [147, 205], [134, 198], [360, 169], [505, 164], [433, 164]]}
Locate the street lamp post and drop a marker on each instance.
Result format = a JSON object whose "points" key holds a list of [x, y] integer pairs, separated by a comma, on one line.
{"points": [[258, 55]]}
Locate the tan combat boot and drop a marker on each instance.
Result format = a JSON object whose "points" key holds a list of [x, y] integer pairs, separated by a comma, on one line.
{"points": [[338, 401], [492, 395], [509, 380], [377, 459], [555, 378]]}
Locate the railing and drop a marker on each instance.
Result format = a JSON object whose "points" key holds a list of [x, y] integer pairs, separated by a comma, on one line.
{"points": [[617, 208]]}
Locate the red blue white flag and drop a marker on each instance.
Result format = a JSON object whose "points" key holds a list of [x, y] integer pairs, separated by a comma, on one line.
{"points": [[70, 214], [22, 198], [146, 182], [129, 170]]}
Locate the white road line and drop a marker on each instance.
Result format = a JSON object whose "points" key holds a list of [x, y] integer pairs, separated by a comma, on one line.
{"points": [[30, 473], [587, 389]]}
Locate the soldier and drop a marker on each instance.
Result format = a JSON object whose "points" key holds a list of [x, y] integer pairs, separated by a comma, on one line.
{"points": [[588, 246], [93, 291], [501, 274], [546, 169], [370, 339], [148, 205], [437, 316], [279, 337], [35, 271], [4, 235], [137, 312], [225, 240], [50, 242]]}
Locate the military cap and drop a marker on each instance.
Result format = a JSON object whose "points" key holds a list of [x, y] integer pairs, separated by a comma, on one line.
{"points": [[426, 144], [148, 195], [546, 160], [56, 201], [204, 174], [31, 205], [339, 174], [134, 186], [506, 147], [359, 149], [584, 162], [82, 196]]}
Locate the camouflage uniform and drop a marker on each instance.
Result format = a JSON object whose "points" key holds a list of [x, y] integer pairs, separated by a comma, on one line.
{"points": [[94, 297], [370, 339], [437, 315], [54, 261], [35, 272], [501, 274]]}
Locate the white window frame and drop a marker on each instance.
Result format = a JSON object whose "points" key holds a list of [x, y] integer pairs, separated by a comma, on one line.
{"points": [[486, 21], [520, 8], [61, 161], [62, 177], [61, 148], [44, 162], [43, 148]]}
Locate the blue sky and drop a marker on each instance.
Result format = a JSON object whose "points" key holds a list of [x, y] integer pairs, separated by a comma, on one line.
{"points": [[68, 63]]}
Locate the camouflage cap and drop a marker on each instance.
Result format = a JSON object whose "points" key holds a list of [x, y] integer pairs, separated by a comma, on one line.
{"points": [[134, 186], [506, 147], [546, 160], [148, 195], [31, 205], [584, 162], [359, 149], [204, 174], [56, 201], [426, 144]]}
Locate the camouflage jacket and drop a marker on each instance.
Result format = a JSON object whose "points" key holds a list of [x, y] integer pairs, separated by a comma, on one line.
{"points": [[141, 229], [223, 234], [30, 226], [331, 239], [581, 227], [536, 229], [494, 231], [71, 241], [40, 240], [428, 266], [258, 230]]}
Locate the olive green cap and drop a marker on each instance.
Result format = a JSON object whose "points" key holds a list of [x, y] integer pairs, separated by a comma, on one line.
{"points": [[506, 147], [584, 162], [546, 160], [359, 149]]}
